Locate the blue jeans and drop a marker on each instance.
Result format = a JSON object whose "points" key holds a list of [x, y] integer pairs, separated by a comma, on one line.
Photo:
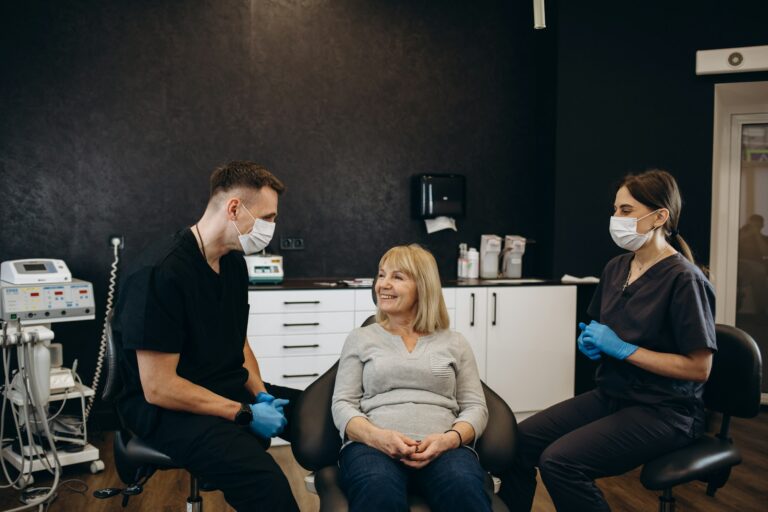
{"points": [[455, 481]]}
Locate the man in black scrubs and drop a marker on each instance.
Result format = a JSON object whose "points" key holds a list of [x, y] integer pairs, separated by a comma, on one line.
{"points": [[192, 384]]}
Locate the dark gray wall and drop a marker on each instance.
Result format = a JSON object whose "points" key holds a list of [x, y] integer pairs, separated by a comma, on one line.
{"points": [[113, 115], [629, 99]]}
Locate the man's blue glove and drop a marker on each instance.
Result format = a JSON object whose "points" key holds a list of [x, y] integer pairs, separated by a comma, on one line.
{"points": [[603, 338], [267, 420], [279, 404], [263, 396], [585, 347]]}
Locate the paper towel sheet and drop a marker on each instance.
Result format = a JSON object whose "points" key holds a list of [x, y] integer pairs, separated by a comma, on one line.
{"points": [[439, 223], [567, 278]]}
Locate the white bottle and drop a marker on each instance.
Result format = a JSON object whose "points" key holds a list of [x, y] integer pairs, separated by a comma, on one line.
{"points": [[462, 262], [473, 263]]}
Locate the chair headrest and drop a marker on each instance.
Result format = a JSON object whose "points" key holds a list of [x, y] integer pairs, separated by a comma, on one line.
{"points": [[734, 382]]}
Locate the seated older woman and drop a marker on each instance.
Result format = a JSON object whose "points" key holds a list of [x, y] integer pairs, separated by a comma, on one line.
{"points": [[408, 400]]}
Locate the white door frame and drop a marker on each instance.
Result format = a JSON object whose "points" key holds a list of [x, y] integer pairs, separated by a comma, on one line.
{"points": [[736, 104]]}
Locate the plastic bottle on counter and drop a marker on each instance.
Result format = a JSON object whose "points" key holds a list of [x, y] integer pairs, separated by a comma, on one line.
{"points": [[462, 262], [473, 263]]}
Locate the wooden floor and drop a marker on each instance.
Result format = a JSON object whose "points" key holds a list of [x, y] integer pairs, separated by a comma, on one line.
{"points": [[746, 491]]}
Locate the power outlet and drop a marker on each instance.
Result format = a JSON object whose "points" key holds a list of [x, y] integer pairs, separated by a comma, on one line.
{"points": [[117, 240], [290, 243]]}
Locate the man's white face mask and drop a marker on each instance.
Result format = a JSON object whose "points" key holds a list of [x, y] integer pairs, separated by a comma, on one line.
{"points": [[624, 232], [259, 236]]}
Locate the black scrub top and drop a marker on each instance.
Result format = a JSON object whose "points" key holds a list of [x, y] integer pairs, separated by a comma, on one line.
{"points": [[172, 301], [670, 308]]}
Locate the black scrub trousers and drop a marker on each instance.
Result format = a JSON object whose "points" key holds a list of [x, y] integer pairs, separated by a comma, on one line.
{"points": [[633, 415], [172, 301]]}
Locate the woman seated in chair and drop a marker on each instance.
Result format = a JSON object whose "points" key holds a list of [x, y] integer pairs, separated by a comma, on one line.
{"points": [[408, 400]]}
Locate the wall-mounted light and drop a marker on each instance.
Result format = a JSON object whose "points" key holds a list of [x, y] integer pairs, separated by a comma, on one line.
{"points": [[539, 19]]}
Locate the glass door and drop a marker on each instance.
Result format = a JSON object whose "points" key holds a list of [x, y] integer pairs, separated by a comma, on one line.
{"points": [[752, 259]]}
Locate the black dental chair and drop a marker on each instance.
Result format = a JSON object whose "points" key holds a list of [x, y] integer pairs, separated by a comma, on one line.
{"points": [[136, 461], [316, 442], [733, 389]]}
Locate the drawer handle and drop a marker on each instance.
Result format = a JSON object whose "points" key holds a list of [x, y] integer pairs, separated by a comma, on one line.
{"points": [[294, 302], [316, 345], [310, 324], [494, 310], [300, 375]]}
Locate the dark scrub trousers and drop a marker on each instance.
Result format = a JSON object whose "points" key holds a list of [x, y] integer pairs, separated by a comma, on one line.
{"points": [[633, 415], [172, 301]]}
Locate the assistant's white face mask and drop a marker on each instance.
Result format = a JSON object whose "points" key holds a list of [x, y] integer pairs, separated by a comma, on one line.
{"points": [[259, 236], [624, 232]]}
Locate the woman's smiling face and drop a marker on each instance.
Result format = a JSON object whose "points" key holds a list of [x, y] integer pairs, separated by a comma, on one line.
{"points": [[395, 291]]}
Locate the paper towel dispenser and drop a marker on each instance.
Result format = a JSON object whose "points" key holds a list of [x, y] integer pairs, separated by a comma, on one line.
{"points": [[436, 195]]}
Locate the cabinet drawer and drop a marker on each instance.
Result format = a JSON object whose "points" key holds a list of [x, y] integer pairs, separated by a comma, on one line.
{"points": [[299, 301], [301, 345], [364, 299], [300, 323], [294, 372]]}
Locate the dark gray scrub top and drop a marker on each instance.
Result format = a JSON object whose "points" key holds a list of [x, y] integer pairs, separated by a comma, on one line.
{"points": [[670, 308]]}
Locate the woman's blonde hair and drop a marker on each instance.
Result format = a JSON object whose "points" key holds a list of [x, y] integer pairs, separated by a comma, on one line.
{"points": [[419, 264]]}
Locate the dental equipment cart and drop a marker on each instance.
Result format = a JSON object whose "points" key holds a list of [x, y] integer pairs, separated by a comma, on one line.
{"points": [[33, 295]]}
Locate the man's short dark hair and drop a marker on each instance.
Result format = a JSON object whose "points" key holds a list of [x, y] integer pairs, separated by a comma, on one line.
{"points": [[243, 173]]}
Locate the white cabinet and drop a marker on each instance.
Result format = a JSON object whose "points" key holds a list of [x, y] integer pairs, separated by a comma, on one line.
{"points": [[470, 320], [530, 350], [523, 340], [296, 335]]}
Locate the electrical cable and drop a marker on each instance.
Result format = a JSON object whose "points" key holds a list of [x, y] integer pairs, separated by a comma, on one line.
{"points": [[103, 341]]}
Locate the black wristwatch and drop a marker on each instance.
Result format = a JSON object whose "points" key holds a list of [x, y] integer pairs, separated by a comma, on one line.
{"points": [[244, 416]]}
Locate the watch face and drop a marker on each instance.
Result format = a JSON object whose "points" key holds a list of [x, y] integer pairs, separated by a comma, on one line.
{"points": [[244, 415]]}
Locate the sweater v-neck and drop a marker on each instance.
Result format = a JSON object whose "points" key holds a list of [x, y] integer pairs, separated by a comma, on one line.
{"points": [[418, 349]]}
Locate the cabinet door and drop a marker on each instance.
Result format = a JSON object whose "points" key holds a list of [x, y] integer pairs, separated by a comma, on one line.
{"points": [[531, 345], [470, 317]]}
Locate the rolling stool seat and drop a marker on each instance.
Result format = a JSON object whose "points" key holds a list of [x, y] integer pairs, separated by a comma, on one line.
{"points": [[733, 389], [705, 456], [138, 452]]}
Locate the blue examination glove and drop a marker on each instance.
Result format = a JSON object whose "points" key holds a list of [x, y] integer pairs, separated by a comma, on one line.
{"points": [[279, 404], [263, 396], [603, 337], [267, 420], [585, 347]]}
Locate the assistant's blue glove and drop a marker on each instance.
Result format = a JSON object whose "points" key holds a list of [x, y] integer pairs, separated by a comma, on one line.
{"points": [[267, 420], [586, 347], [603, 337]]}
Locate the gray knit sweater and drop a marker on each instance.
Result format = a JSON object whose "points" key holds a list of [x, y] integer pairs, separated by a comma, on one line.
{"points": [[418, 393]]}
